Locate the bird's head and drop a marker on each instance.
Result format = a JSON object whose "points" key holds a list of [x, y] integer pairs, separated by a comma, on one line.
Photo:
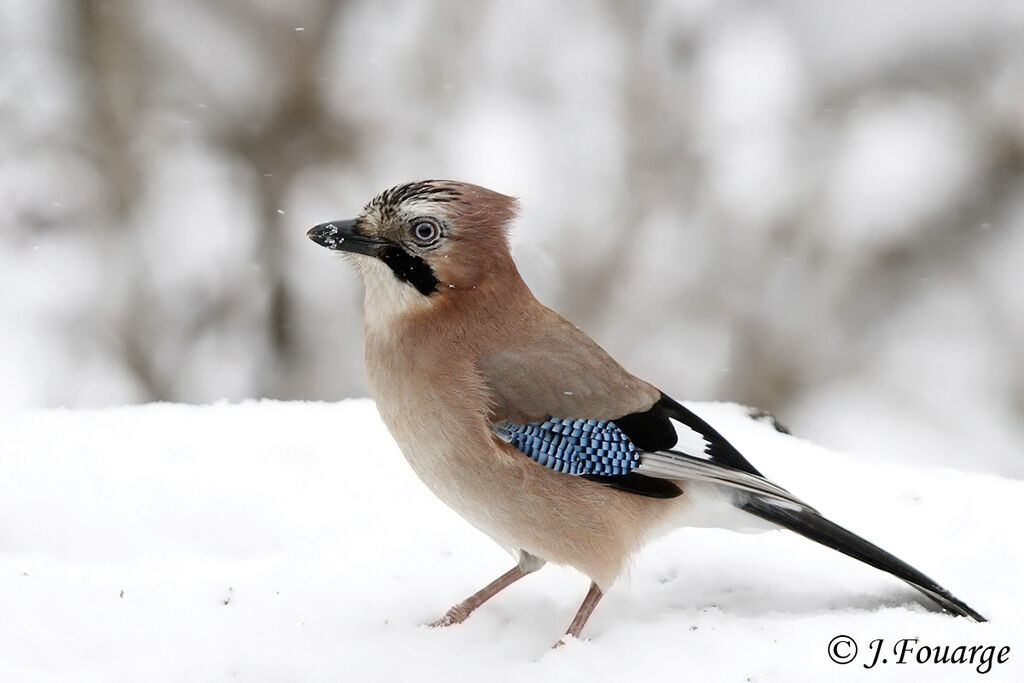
{"points": [[425, 241]]}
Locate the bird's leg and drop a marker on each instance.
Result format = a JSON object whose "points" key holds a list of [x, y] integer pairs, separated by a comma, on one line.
{"points": [[594, 596], [459, 613]]}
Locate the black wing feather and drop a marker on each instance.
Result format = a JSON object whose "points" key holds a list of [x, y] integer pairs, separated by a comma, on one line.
{"points": [[640, 484], [652, 431]]}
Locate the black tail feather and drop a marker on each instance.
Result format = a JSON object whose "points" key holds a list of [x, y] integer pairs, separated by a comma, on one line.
{"points": [[811, 525]]}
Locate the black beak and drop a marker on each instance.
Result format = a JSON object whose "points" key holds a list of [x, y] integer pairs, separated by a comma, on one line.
{"points": [[341, 236]]}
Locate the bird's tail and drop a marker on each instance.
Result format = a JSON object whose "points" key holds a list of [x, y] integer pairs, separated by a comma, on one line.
{"points": [[812, 525]]}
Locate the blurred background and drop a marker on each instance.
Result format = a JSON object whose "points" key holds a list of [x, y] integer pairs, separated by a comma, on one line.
{"points": [[814, 208]]}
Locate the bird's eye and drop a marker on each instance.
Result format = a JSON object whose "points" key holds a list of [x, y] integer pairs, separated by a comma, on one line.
{"points": [[425, 232]]}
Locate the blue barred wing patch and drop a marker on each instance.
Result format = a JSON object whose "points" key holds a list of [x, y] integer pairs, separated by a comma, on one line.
{"points": [[573, 446]]}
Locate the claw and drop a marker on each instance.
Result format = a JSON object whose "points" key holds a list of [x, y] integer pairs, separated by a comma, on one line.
{"points": [[456, 615]]}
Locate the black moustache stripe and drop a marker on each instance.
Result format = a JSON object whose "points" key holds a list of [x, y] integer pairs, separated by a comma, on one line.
{"points": [[409, 268]]}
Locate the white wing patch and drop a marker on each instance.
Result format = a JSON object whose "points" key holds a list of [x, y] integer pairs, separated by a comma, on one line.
{"points": [[689, 461], [690, 441]]}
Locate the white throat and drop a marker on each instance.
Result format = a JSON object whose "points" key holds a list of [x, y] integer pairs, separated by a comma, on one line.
{"points": [[387, 297]]}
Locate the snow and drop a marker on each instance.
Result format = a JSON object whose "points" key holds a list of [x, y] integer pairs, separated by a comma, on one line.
{"points": [[269, 541]]}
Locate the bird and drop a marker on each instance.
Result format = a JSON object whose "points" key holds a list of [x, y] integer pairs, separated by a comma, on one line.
{"points": [[524, 425]]}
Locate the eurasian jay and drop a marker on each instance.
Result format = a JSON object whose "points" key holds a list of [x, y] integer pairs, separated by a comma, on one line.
{"points": [[526, 427]]}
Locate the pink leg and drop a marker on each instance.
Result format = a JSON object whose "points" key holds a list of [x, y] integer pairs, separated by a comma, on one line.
{"points": [[594, 596], [459, 613]]}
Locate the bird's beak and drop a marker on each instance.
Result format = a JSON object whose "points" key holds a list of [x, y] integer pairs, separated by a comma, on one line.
{"points": [[341, 236]]}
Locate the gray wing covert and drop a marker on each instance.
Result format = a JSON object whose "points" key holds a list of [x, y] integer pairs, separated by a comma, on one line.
{"points": [[565, 378]]}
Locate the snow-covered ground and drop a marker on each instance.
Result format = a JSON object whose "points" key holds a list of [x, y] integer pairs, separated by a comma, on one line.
{"points": [[290, 542]]}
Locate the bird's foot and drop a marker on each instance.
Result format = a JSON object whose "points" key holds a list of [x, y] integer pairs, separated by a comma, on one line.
{"points": [[564, 639], [456, 615]]}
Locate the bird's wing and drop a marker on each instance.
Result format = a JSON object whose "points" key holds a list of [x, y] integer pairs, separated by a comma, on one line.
{"points": [[602, 451], [565, 403]]}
